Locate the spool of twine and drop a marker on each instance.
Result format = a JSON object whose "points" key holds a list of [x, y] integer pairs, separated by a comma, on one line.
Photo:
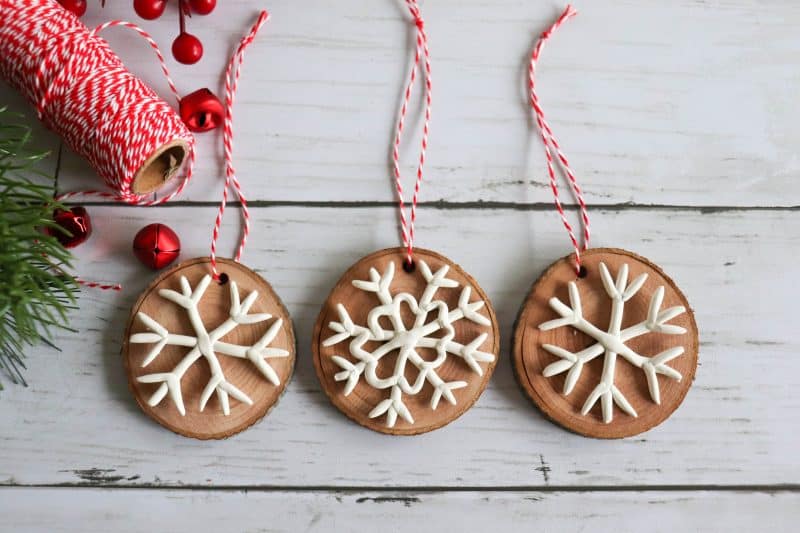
{"points": [[132, 138]]}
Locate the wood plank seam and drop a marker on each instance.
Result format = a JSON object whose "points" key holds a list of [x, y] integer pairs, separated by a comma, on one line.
{"points": [[768, 489], [478, 204]]}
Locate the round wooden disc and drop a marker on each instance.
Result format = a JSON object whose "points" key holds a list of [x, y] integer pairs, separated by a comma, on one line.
{"points": [[214, 308], [364, 398], [530, 359]]}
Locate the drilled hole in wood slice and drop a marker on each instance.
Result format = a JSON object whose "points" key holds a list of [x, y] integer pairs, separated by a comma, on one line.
{"points": [[214, 308], [530, 358], [358, 303]]}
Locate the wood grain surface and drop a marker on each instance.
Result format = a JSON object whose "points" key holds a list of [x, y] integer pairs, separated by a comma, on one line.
{"points": [[737, 426], [362, 400], [214, 309], [680, 119], [530, 359], [426, 512]]}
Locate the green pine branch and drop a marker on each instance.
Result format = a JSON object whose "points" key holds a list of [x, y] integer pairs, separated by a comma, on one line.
{"points": [[35, 294]]}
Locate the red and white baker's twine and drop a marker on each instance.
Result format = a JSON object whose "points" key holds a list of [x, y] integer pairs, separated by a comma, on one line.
{"points": [[231, 84], [421, 54], [552, 147], [98, 285], [83, 92]]}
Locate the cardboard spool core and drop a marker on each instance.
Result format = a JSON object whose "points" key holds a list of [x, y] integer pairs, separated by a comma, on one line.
{"points": [[530, 358], [160, 167], [214, 309], [358, 404]]}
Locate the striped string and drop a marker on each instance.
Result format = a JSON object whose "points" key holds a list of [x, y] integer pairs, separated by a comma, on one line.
{"points": [[123, 194], [421, 55], [98, 285], [83, 92], [232, 75], [231, 84], [553, 150]]}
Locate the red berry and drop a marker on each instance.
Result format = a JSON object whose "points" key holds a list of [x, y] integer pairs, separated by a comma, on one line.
{"points": [[187, 49], [149, 9], [203, 7], [76, 6]]}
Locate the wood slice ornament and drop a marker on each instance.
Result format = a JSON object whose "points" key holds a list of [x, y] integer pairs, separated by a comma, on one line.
{"points": [[405, 351], [605, 344], [207, 359], [209, 347], [407, 340], [611, 354]]}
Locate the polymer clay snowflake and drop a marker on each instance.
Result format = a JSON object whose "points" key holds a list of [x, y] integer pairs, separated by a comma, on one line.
{"points": [[207, 344], [437, 334], [612, 342]]}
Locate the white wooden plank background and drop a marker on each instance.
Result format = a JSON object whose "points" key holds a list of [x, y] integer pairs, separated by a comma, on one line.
{"points": [[680, 120], [678, 103], [104, 510]]}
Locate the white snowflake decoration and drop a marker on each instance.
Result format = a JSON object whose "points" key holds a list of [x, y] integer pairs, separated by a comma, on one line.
{"points": [[408, 341], [207, 344], [612, 342]]}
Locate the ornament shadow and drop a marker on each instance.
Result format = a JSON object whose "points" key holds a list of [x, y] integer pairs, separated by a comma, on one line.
{"points": [[116, 379], [518, 274], [304, 378], [504, 380]]}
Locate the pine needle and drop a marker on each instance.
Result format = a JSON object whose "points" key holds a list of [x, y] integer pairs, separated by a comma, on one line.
{"points": [[35, 294]]}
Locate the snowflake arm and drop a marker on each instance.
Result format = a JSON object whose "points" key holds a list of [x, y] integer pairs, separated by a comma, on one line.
{"points": [[656, 365], [657, 321], [344, 329], [469, 310], [378, 284], [422, 334], [392, 407], [159, 335], [469, 353], [428, 374], [612, 342], [434, 281], [207, 345], [260, 351], [239, 310]]}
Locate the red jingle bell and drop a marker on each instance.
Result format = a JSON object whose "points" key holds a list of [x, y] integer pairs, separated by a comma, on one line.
{"points": [[156, 246], [187, 48], [75, 222], [201, 111]]}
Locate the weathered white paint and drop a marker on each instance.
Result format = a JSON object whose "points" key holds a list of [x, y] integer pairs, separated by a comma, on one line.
{"points": [[102, 510], [737, 426], [674, 103], [680, 103]]}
